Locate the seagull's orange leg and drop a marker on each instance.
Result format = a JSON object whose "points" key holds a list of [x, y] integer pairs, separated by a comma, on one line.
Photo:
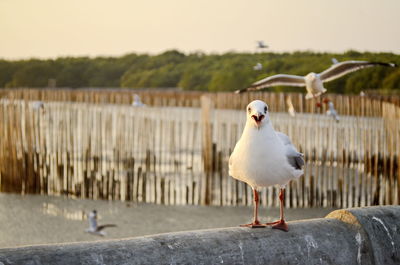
{"points": [[280, 224], [256, 223]]}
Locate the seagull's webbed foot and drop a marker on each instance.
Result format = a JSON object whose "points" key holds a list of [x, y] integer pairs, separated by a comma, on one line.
{"points": [[280, 224], [255, 224]]}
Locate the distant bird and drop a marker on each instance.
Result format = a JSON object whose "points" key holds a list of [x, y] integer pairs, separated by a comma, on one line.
{"points": [[37, 105], [332, 111], [257, 67], [137, 102], [263, 157], [312, 81], [261, 45], [93, 227], [362, 93], [334, 61], [291, 110]]}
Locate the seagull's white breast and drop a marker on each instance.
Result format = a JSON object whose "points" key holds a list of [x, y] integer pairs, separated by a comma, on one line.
{"points": [[259, 159]]}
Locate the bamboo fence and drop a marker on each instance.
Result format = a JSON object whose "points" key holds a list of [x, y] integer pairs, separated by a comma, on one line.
{"points": [[344, 104], [179, 155]]}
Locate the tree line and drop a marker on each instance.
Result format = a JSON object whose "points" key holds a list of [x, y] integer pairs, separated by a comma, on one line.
{"points": [[196, 71]]}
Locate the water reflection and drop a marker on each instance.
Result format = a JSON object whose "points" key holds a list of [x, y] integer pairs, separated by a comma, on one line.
{"points": [[54, 210]]}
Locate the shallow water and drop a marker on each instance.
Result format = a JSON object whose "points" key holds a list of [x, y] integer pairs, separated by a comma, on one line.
{"points": [[34, 219]]}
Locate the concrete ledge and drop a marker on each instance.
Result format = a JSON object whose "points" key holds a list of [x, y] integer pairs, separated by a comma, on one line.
{"points": [[354, 236]]}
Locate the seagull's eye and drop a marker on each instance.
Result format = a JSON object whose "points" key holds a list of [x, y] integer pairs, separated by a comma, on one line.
{"points": [[265, 109], [249, 109]]}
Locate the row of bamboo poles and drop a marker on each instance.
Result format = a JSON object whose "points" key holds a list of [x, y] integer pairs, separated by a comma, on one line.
{"points": [[344, 104], [176, 155]]}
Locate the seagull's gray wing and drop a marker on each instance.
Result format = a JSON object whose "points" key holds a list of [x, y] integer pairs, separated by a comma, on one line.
{"points": [[276, 80], [284, 138], [343, 68], [294, 157], [101, 227]]}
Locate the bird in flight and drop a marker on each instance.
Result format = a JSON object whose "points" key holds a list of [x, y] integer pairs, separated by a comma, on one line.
{"points": [[313, 82], [332, 111], [257, 67], [261, 44]]}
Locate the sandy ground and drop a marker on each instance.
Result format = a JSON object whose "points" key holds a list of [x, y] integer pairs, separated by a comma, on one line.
{"points": [[33, 219]]}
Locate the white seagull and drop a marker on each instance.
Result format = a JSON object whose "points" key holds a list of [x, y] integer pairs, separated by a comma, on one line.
{"points": [[261, 44], [334, 61], [137, 102], [263, 157], [312, 81], [37, 105], [332, 111], [93, 227], [257, 67]]}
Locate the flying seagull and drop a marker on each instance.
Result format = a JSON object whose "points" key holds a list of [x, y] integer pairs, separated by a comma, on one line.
{"points": [[312, 81], [93, 227], [137, 102], [334, 61], [332, 111], [257, 67], [264, 157], [261, 44]]}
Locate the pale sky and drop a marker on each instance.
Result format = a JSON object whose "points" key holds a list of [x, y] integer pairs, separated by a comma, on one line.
{"points": [[54, 28]]}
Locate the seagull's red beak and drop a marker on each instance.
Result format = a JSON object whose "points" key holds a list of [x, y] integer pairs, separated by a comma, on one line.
{"points": [[258, 118]]}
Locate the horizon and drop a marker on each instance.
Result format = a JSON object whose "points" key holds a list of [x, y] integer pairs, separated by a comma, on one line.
{"points": [[47, 30], [193, 52]]}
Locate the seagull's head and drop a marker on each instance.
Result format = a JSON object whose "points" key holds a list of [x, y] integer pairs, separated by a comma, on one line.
{"points": [[93, 214], [257, 113], [311, 76]]}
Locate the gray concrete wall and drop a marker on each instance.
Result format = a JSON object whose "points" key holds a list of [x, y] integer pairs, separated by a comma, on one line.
{"points": [[354, 236]]}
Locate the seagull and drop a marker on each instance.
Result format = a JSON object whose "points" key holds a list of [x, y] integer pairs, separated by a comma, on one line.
{"points": [[137, 102], [261, 44], [264, 157], [93, 227], [257, 67], [291, 110], [37, 104], [334, 61], [312, 81], [332, 111]]}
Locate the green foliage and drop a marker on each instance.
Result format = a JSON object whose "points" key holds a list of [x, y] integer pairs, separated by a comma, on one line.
{"points": [[196, 71], [32, 73]]}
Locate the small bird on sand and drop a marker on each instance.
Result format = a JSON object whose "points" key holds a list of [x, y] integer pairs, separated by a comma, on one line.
{"points": [[264, 157], [312, 81], [93, 227]]}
